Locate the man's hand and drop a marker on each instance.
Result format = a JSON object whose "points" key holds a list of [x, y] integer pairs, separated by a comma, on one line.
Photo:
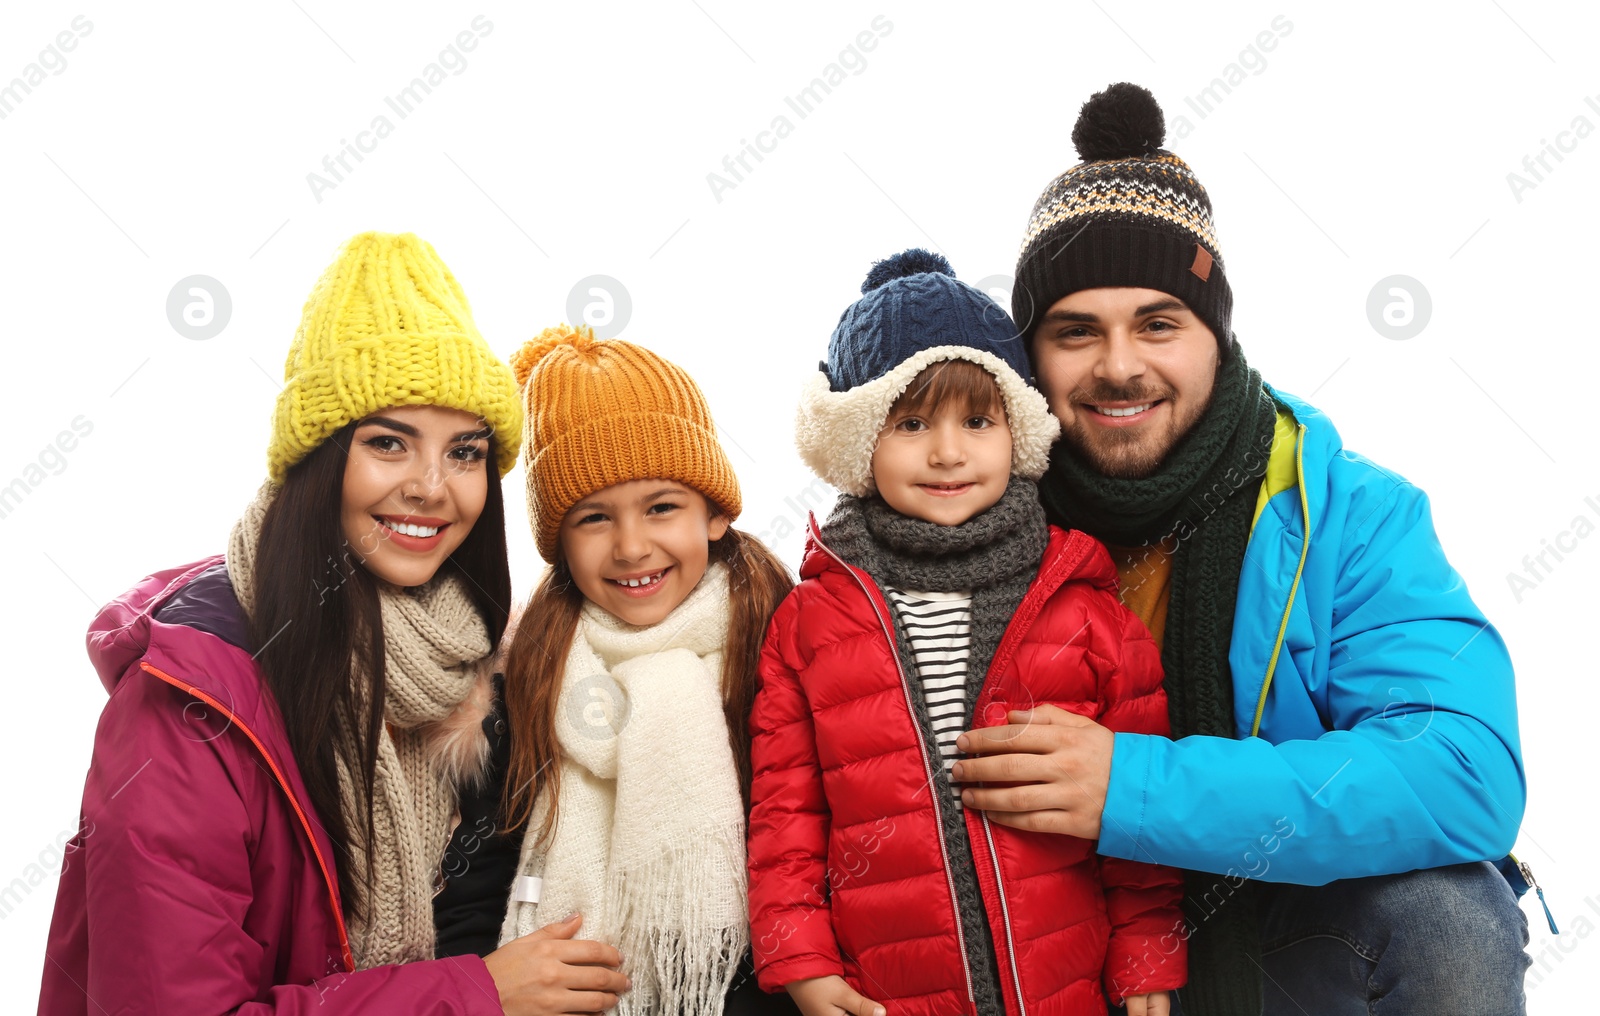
{"points": [[1156, 1003], [1057, 762], [831, 996]]}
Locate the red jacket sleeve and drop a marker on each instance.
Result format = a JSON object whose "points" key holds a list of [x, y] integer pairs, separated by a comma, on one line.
{"points": [[1148, 949], [165, 869], [791, 929]]}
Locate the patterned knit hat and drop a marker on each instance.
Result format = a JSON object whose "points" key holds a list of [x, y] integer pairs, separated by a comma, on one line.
{"points": [[1131, 214], [602, 412], [387, 325], [913, 312]]}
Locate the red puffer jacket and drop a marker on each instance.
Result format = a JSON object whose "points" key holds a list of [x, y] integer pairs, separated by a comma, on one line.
{"points": [[201, 881], [848, 870]]}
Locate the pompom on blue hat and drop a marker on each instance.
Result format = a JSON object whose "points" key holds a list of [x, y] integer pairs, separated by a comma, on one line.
{"points": [[913, 313]]}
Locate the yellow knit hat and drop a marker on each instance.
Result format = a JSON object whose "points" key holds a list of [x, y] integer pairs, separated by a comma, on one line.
{"points": [[388, 325], [602, 412]]}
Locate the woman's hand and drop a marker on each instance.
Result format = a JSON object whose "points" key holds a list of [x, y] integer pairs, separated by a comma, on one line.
{"points": [[551, 972], [831, 996]]}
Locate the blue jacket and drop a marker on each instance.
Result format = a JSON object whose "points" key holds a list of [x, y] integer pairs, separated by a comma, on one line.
{"points": [[1373, 703]]}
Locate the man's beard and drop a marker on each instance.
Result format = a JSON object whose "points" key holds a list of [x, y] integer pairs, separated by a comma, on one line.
{"points": [[1127, 453]]}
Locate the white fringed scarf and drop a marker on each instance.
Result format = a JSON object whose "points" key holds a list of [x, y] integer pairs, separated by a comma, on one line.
{"points": [[438, 692], [649, 842]]}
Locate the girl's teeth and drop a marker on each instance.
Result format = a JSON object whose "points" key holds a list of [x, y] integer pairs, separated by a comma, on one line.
{"points": [[635, 583], [405, 529], [1130, 411]]}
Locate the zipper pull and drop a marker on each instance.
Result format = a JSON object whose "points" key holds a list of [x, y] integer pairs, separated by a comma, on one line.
{"points": [[1527, 873]]}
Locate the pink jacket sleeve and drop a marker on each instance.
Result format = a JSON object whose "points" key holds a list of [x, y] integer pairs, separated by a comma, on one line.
{"points": [[458, 984], [791, 931], [1148, 949], [166, 883]]}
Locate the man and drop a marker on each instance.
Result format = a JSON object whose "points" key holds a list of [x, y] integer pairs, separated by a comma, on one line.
{"points": [[1345, 758]]}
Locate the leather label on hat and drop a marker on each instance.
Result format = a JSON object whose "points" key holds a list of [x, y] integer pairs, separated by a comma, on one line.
{"points": [[1202, 263]]}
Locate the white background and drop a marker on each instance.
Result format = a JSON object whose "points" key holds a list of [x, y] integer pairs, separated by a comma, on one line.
{"points": [[577, 141]]}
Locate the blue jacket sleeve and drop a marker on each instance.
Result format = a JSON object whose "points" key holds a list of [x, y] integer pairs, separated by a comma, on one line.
{"points": [[1420, 764]]}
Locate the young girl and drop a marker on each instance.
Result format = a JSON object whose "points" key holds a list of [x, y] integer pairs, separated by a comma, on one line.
{"points": [[276, 775], [935, 600], [630, 676]]}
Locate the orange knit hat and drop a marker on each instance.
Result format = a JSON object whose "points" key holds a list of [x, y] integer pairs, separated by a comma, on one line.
{"points": [[601, 412]]}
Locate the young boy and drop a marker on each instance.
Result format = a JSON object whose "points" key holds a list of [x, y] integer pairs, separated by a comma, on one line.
{"points": [[934, 600]]}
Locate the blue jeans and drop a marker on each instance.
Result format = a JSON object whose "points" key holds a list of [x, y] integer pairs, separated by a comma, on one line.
{"points": [[1442, 940], [1445, 940]]}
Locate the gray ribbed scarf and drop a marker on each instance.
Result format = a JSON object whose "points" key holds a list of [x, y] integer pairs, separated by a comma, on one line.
{"points": [[996, 555], [1203, 495]]}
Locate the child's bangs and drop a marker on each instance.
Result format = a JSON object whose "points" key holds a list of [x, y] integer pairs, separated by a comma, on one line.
{"points": [[951, 382]]}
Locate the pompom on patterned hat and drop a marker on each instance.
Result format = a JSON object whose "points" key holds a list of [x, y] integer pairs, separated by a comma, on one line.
{"points": [[1130, 214]]}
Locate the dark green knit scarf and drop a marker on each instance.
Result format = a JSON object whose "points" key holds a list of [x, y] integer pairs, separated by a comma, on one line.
{"points": [[1203, 496]]}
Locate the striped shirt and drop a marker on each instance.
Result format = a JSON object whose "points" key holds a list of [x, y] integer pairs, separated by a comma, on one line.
{"points": [[938, 631]]}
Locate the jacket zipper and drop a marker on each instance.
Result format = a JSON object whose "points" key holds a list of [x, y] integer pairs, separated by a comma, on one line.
{"points": [[927, 766], [1294, 587], [327, 878], [1527, 875], [1002, 658], [1005, 913]]}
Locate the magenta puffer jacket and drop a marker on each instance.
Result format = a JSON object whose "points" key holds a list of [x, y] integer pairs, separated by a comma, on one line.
{"points": [[201, 881]]}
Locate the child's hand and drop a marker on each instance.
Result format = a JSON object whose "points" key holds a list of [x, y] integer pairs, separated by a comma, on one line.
{"points": [[831, 996], [1156, 1003]]}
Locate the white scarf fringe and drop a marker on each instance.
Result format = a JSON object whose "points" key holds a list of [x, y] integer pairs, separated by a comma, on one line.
{"points": [[649, 845]]}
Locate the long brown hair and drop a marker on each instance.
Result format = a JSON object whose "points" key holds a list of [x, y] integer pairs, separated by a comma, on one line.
{"points": [[757, 583], [319, 627]]}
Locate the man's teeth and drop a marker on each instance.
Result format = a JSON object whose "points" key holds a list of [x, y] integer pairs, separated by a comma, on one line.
{"points": [[1130, 411], [405, 529], [648, 580]]}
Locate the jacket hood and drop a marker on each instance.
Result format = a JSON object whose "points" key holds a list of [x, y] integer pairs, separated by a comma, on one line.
{"points": [[1322, 444], [185, 627], [120, 634]]}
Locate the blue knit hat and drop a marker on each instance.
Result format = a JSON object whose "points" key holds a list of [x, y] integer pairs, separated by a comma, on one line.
{"points": [[913, 312]]}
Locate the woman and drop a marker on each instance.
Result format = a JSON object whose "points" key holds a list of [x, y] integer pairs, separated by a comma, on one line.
{"points": [[292, 727]]}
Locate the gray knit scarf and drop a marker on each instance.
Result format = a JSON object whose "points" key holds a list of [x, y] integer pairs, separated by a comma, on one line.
{"points": [[996, 555]]}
